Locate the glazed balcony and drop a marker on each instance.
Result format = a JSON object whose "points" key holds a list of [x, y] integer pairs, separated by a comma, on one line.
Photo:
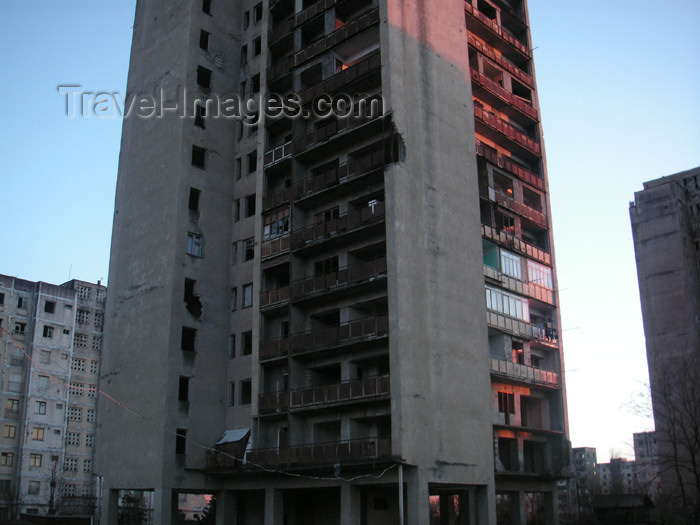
{"points": [[546, 335], [355, 451], [341, 80], [518, 207], [491, 32], [370, 388], [535, 291], [504, 162], [496, 129], [274, 297], [354, 221], [338, 36], [513, 243], [349, 277], [273, 348], [499, 59], [353, 333], [275, 246], [494, 94], [523, 373]]}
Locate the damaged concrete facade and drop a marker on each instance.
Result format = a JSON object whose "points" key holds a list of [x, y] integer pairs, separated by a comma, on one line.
{"points": [[50, 348], [309, 313]]}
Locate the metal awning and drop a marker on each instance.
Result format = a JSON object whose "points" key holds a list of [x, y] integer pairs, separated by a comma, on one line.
{"points": [[234, 436]]}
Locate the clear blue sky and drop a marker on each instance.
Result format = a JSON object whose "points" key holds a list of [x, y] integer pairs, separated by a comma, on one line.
{"points": [[618, 86]]}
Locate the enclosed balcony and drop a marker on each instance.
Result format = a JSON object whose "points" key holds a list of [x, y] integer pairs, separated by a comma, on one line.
{"points": [[278, 154], [516, 244], [523, 373], [369, 388], [354, 333]]}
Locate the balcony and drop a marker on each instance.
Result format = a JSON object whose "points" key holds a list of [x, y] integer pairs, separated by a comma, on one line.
{"points": [[524, 373], [347, 128], [273, 348], [499, 94], [489, 30], [279, 31], [364, 272], [313, 10], [496, 128], [518, 207], [517, 327], [278, 154], [274, 246], [277, 199], [361, 69], [347, 391], [516, 244], [504, 162], [353, 221], [336, 37], [281, 69], [488, 52], [529, 289], [353, 333], [273, 403], [274, 297]]}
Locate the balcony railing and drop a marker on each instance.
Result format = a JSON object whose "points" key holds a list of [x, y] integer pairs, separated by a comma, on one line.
{"points": [[274, 296], [340, 392], [330, 453], [279, 153], [497, 124], [280, 30], [313, 10], [501, 93], [529, 289], [274, 246], [273, 402], [516, 244], [502, 61], [274, 348], [351, 221], [524, 372], [349, 275], [280, 69], [333, 128], [501, 161], [368, 328], [520, 208], [336, 37], [495, 29], [521, 328], [339, 80]]}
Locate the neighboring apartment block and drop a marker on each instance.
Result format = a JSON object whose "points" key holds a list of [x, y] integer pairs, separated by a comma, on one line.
{"points": [[310, 312], [50, 346]]}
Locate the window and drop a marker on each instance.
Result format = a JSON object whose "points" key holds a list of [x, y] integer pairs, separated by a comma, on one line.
{"points": [[204, 40], [237, 168], [204, 77], [90, 440], [206, 6], [539, 274], [12, 405], [199, 157], [75, 414], [20, 302], [508, 304], [249, 251], [38, 434], [247, 295], [200, 114], [35, 460], [17, 357], [231, 394], [2, 298], [247, 343], [236, 210], [232, 346], [87, 465], [194, 244], [77, 364], [71, 465], [6, 459], [234, 299], [93, 367], [9, 431], [80, 340], [506, 403], [49, 307], [510, 264], [34, 487], [96, 340], [68, 490], [252, 162], [40, 407], [20, 328], [83, 316], [99, 319], [188, 337], [45, 356], [180, 441], [15, 382], [244, 59], [257, 46], [255, 88], [276, 224], [92, 391], [246, 392], [73, 439], [183, 391], [250, 205], [90, 415], [84, 292], [246, 20], [257, 12]]}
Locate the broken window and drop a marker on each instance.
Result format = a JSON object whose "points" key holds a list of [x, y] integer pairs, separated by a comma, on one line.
{"points": [[204, 77], [193, 202], [276, 224], [258, 12], [206, 6], [48, 331], [180, 441], [249, 249], [200, 113], [204, 40], [252, 162], [247, 295], [250, 205], [192, 302], [247, 343], [49, 307], [188, 339], [257, 46], [199, 157], [246, 392], [183, 390]]}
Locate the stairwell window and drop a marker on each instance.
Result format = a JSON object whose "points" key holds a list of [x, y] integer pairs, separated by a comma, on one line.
{"points": [[194, 244], [247, 295]]}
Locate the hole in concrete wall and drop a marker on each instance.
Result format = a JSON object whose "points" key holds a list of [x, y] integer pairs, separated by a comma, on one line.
{"points": [[192, 301]]}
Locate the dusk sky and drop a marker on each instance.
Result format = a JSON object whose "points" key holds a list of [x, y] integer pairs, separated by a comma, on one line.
{"points": [[618, 87]]}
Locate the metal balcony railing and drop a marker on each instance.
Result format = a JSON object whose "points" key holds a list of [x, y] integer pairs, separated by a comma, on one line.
{"points": [[518, 137], [501, 161], [495, 29], [279, 153], [524, 372], [368, 328], [523, 107], [516, 244], [340, 392], [521, 328], [352, 274], [274, 296], [273, 348], [348, 222], [520, 208], [339, 80]]}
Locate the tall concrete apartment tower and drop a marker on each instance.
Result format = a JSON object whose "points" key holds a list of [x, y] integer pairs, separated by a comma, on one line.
{"points": [[665, 219], [50, 342], [332, 320]]}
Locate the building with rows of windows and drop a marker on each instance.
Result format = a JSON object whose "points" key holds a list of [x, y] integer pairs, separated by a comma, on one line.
{"points": [[334, 318], [50, 347]]}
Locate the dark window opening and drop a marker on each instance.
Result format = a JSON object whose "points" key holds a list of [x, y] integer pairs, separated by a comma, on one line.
{"points": [[532, 199], [236, 210], [244, 62], [204, 40], [192, 301], [325, 267], [231, 394], [188, 339], [250, 205], [258, 12], [199, 157], [487, 9], [200, 115], [232, 346], [252, 162], [180, 441], [247, 343], [2, 298], [249, 251], [257, 46], [246, 20], [246, 392], [505, 223], [183, 389], [518, 353], [193, 202], [520, 91], [204, 77], [256, 84], [284, 329], [327, 215], [49, 306], [206, 6], [48, 332]]}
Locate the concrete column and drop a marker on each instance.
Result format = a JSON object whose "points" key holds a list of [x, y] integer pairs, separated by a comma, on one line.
{"points": [[551, 508], [162, 505], [226, 508], [110, 508], [417, 502], [274, 507], [349, 505], [518, 509]]}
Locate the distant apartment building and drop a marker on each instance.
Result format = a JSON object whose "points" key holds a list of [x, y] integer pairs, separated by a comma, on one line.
{"points": [[647, 470], [50, 342]]}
